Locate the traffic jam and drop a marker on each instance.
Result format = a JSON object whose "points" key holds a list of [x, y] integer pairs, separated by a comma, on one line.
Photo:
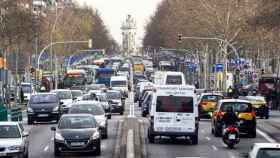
{"points": [[80, 118]]}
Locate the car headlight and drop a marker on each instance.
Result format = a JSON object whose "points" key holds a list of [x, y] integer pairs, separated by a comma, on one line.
{"points": [[55, 109], [16, 147], [102, 123], [58, 136], [30, 110], [96, 135]]}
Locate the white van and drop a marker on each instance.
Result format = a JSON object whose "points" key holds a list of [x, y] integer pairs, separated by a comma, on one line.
{"points": [[27, 90], [120, 83], [169, 78], [174, 113]]}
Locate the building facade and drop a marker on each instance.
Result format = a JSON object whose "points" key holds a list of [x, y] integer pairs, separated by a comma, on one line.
{"points": [[129, 36]]}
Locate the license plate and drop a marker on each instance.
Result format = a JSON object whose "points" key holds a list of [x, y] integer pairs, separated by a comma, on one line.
{"points": [[43, 115], [77, 143], [3, 154], [231, 136]]}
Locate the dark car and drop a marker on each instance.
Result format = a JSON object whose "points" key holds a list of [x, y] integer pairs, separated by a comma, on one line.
{"points": [[116, 101], [77, 133], [43, 107], [94, 108]]}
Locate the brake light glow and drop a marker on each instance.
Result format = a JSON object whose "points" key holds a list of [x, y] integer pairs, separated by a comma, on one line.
{"points": [[231, 129]]}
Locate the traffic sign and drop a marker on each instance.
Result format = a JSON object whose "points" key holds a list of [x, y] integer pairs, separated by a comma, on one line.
{"points": [[66, 60], [219, 67]]}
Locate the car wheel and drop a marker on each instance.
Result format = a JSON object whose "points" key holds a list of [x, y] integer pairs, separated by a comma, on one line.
{"points": [[30, 121], [253, 133], [216, 132], [194, 139], [98, 150], [151, 138], [57, 153], [26, 154], [109, 116]]}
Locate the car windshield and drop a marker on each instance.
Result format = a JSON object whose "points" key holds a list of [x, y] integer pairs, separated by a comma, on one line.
{"points": [[237, 107], [269, 153], [77, 122], [211, 98], [26, 88], [95, 87], [173, 80], [86, 109], [64, 94], [44, 98], [113, 95], [76, 94], [118, 83], [174, 104], [9, 131]]}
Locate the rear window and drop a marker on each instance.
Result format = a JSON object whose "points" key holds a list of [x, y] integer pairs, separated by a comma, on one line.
{"points": [[175, 104], [44, 98], [213, 98], [237, 107], [269, 153], [174, 80]]}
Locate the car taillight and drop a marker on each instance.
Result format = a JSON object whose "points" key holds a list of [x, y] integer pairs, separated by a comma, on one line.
{"points": [[202, 104], [232, 129], [254, 114]]}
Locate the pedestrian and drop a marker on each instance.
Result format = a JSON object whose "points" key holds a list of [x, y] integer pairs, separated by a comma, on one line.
{"points": [[21, 95]]}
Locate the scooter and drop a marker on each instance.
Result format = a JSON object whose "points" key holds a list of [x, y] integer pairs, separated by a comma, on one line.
{"points": [[231, 136]]}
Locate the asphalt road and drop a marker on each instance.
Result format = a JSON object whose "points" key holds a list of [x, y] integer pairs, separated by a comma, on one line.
{"points": [[41, 139], [208, 145]]}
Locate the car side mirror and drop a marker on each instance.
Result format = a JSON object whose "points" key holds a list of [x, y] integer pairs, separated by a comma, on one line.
{"points": [[244, 155], [123, 98], [25, 134], [53, 128], [74, 98], [60, 103]]}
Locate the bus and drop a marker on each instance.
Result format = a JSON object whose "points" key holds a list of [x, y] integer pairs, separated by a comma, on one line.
{"points": [[74, 78], [103, 75]]}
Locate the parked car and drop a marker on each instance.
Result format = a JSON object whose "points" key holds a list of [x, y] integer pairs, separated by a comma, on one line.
{"points": [[94, 108], [77, 133], [44, 107], [14, 141]]}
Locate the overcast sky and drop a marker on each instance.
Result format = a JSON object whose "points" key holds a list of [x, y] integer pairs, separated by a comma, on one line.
{"points": [[114, 12]]}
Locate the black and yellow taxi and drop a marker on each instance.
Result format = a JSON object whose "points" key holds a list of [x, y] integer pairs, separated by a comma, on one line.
{"points": [[245, 112], [207, 103], [259, 104]]}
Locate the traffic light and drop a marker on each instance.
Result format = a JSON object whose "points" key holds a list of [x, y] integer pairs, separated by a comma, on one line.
{"points": [[180, 38]]}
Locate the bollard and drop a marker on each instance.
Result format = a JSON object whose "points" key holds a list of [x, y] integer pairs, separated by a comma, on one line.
{"points": [[3, 113], [16, 114]]}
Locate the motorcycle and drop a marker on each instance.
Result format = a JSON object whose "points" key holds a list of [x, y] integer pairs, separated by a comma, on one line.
{"points": [[231, 136]]}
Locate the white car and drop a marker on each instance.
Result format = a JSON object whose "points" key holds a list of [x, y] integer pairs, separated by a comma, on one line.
{"points": [[65, 97], [263, 150], [13, 140]]}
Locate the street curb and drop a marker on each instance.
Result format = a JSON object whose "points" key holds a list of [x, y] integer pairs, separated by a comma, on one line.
{"points": [[143, 141], [117, 150]]}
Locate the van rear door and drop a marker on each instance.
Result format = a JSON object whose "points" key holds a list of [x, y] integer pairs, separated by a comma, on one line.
{"points": [[174, 114]]}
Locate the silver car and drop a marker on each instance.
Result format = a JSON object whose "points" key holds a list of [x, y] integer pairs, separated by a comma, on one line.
{"points": [[13, 140]]}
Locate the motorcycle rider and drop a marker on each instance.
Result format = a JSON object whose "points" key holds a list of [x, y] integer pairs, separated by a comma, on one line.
{"points": [[229, 118]]}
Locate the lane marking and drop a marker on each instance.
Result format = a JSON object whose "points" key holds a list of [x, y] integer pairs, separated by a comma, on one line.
{"points": [[231, 155], [208, 138], [267, 137], [130, 144], [214, 148], [46, 148]]}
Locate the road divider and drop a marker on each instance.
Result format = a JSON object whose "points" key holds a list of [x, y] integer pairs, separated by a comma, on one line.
{"points": [[130, 144], [117, 150]]}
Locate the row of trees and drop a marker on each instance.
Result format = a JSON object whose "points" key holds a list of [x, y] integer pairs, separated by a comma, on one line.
{"points": [[21, 30], [252, 26]]}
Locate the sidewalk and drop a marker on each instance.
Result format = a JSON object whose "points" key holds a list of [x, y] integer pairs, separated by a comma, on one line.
{"points": [[271, 126]]}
